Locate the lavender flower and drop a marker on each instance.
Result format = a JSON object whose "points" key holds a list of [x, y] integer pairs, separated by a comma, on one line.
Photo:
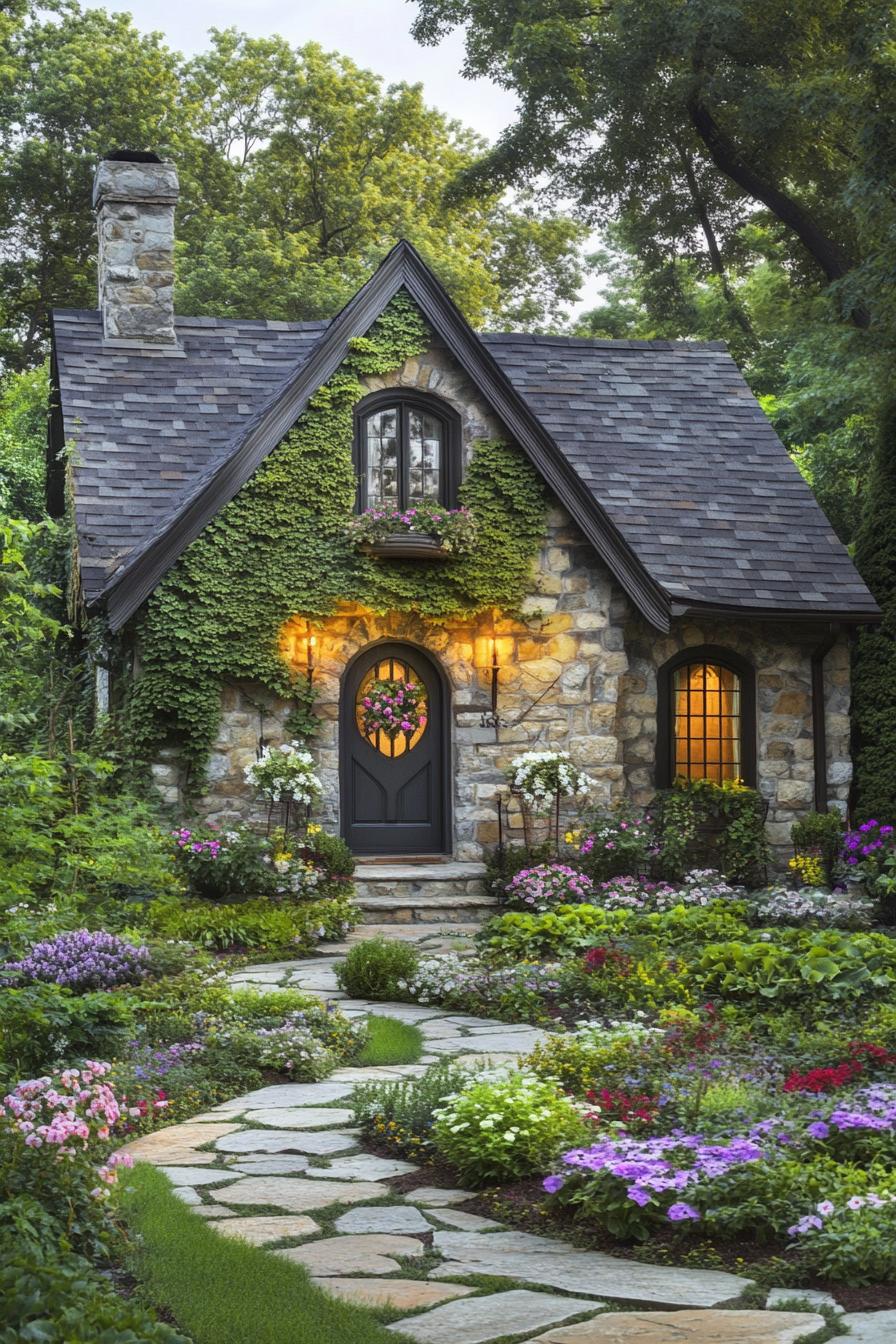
{"points": [[82, 960]]}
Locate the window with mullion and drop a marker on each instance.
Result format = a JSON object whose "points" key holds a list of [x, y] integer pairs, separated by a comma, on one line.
{"points": [[402, 457]]}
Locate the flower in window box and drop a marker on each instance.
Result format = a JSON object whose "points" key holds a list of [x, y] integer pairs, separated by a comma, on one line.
{"points": [[454, 529]]}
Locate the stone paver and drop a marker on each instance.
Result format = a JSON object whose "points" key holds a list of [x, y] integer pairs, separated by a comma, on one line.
{"points": [[868, 1327], [811, 1295], [214, 1211], [264, 1228], [177, 1145], [687, 1327], [435, 1197], [590, 1272], [475, 1320], [278, 1164], [299, 1117], [405, 1294], [187, 1195], [363, 1167], [295, 1094], [298, 1195], [274, 1141], [196, 1175], [397, 1218], [513, 1042], [466, 1222], [365, 1254]]}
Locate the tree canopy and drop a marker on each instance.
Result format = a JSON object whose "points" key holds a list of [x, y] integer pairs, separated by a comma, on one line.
{"points": [[299, 171]]}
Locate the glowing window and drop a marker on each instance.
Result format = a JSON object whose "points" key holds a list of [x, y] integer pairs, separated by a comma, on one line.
{"points": [[707, 719]]}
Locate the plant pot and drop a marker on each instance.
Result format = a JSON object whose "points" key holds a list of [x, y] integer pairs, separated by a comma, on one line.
{"points": [[406, 546]]}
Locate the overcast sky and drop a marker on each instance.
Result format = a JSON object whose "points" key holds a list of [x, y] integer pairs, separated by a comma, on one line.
{"points": [[374, 33]]}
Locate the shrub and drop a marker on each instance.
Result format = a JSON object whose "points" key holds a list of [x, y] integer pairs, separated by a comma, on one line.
{"points": [[610, 845], [42, 1025], [548, 885], [836, 909], [400, 1113], [373, 969], [629, 1185], [597, 1056], [507, 860], [498, 1128], [829, 965], [851, 1241], [330, 852], [54, 1145], [464, 984], [819, 833], [49, 1293], [734, 814], [82, 960], [287, 927]]}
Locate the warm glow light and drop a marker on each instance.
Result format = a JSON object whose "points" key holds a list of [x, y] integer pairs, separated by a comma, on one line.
{"points": [[707, 722]]}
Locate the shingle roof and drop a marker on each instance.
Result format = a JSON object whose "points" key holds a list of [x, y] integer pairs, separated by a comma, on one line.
{"points": [[670, 439], [148, 425], [666, 436]]}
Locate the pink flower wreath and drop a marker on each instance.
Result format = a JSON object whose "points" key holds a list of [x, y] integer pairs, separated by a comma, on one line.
{"points": [[393, 707]]}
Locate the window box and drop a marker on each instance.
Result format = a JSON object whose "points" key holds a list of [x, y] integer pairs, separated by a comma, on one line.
{"points": [[406, 546]]}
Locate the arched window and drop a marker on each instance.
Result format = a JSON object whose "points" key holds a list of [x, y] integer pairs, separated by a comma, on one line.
{"points": [[706, 717], [406, 450]]}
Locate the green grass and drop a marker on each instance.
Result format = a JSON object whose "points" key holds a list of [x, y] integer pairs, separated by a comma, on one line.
{"points": [[391, 1042], [223, 1291]]}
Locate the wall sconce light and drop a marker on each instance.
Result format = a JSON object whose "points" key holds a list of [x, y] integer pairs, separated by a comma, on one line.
{"points": [[493, 718], [310, 642]]}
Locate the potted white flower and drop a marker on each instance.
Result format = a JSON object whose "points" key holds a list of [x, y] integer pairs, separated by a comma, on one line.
{"points": [[285, 775]]}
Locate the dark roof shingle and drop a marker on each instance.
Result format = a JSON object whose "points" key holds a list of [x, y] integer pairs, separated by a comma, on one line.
{"points": [[666, 435]]}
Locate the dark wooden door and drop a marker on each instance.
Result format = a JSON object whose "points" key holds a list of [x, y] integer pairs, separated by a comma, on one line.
{"points": [[394, 789]]}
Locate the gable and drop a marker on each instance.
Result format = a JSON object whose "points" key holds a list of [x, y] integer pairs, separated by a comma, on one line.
{"points": [[657, 449]]}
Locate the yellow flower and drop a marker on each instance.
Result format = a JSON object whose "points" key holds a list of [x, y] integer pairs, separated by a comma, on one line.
{"points": [[313, 828]]}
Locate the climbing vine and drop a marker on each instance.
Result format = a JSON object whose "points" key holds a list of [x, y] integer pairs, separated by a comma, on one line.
{"points": [[280, 549]]}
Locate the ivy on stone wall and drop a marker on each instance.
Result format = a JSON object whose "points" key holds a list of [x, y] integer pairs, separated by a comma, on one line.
{"points": [[279, 549]]}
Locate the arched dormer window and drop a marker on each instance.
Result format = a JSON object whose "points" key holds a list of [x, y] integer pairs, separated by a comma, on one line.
{"points": [[406, 450], [706, 717]]}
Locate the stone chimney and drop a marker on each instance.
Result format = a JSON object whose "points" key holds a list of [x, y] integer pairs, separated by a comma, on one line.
{"points": [[134, 195]]}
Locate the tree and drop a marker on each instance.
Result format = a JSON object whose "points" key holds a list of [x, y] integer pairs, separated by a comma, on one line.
{"points": [[696, 114], [874, 663], [327, 171], [298, 173], [79, 84]]}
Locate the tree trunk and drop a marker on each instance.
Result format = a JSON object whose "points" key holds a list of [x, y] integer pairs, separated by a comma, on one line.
{"points": [[712, 247], [834, 262]]}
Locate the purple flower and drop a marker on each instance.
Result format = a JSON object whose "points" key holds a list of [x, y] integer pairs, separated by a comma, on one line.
{"points": [[818, 1130], [676, 1212], [552, 1184]]}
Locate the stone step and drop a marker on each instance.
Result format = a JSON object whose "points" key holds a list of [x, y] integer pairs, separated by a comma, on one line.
{"points": [[423, 893]]}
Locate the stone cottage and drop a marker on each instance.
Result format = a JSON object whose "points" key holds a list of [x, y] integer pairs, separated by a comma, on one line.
{"points": [[687, 608]]}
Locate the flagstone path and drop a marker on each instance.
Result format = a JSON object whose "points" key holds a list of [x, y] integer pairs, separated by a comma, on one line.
{"points": [[282, 1168]]}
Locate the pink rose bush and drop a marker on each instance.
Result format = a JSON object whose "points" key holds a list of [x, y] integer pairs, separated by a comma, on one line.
{"points": [[55, 1137]]}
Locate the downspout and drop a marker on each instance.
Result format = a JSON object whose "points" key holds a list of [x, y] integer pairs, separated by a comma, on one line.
{"points": [[819, 726]]}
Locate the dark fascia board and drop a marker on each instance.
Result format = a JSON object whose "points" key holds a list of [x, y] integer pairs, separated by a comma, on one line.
{"points": [[796, 615], [401, 269]]}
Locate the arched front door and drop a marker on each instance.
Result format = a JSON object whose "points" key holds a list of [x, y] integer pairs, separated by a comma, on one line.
{"points": [[394, 788]]}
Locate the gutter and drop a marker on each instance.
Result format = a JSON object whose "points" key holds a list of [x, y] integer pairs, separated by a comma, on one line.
{"points": [[819, 726]]}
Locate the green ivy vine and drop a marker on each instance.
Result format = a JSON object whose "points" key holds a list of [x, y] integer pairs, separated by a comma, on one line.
{"points": [[279, 549]]}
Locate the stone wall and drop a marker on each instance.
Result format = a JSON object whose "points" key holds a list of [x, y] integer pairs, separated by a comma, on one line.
{"points": [[781, 657], [558, 686], [578, 673]]}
